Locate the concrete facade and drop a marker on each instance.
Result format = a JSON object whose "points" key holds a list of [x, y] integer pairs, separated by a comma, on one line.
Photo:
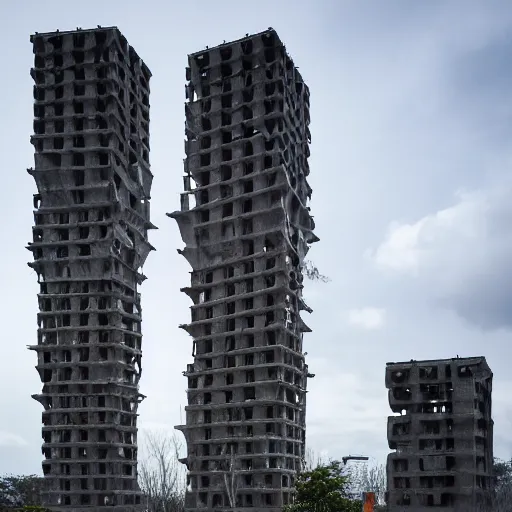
{"points": [[91, 141], [246, 226], [443, 437]]}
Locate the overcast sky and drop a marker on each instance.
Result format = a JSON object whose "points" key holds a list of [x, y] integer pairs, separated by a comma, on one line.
{"points": [[411, 106]]}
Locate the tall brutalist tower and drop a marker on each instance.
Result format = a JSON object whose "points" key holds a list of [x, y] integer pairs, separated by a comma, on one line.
{"points": [[247, 228], [91, 140], [443, 437]]}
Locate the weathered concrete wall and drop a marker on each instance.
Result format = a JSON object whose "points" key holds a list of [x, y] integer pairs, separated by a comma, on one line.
{"points": [[246, 227], [91, 140], [443, 439]]}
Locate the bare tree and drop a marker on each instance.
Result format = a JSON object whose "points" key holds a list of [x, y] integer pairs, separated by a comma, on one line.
{"points": [[161, 476], [231, 475], [499, 497], [311, 460], [371, 478], [499, 500]]}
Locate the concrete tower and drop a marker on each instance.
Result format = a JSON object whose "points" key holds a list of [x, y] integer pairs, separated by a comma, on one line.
{"points": [[91, 140], [246, 226], [443, 437]]}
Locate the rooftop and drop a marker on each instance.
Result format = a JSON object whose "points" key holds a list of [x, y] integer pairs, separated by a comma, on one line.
{"points": [[247, 37], [437, 361], [78, 29]]}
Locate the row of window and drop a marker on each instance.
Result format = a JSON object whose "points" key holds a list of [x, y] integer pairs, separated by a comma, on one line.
{"points": [[248, 447], [426, 464], [225, 136], [242, 376], [288, 319], [246, 393], [237, 306], [432, 372], [427, 500], [241, 149], [128, 256], [82, 373], [261, 481], [120, 268], [53, 157], [245, 341], [94, 214], [225, 52], [85, 303], [226, 69], [100, 500], [226, 154], [257, 429], [94, 452], [89, 418], [96, 484], [434, 427], [92, 335], [63, 234], [223, 119], [432, 463], [221, 274], [77, 469], [89, 436], [244, 205], [85, 354], [281, 461], [86, 319], [234, 414], [242, 500]]}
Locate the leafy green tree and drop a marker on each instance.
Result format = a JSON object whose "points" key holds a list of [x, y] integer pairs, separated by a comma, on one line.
{"points": [[502, 473], [323, 489]]}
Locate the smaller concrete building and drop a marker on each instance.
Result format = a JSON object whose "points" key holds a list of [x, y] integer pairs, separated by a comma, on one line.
{"points": [[441, 434]]}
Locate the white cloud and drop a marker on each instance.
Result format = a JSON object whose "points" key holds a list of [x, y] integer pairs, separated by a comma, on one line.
{"points": [[10, 439], [414, 247], [367, 318], [460, 256]]}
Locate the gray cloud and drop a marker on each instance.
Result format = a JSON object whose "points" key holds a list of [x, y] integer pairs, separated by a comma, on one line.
{"points": [[396, 125], [460, 256]]}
